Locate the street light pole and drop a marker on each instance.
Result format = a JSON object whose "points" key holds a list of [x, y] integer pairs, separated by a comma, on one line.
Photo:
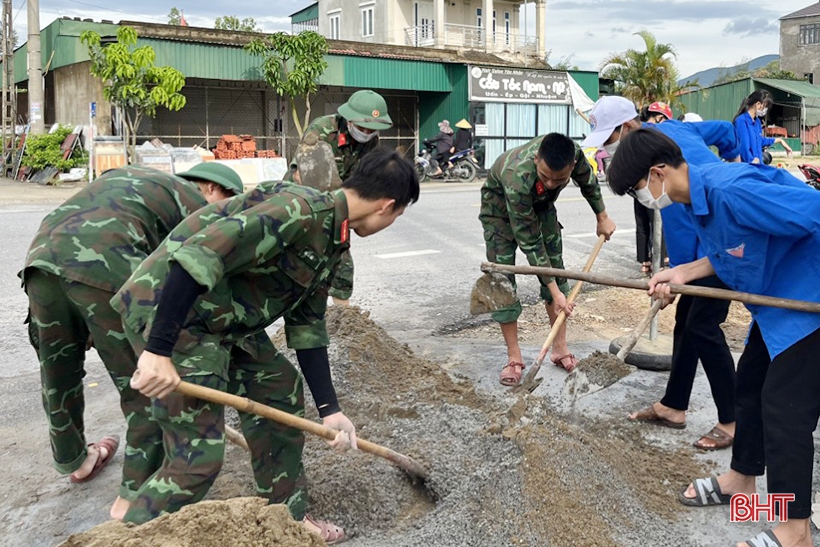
{"points": [[36, 108]]}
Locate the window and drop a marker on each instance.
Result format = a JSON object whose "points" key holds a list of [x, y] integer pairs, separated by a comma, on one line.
{"points": [[367, 21], [507, 27], [478, 20], [809, 34], [335, 22], [809, 77], [493, 26]]}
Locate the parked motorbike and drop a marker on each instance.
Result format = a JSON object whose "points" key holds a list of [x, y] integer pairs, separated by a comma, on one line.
{"points": [[812, 174], [463, 167]]}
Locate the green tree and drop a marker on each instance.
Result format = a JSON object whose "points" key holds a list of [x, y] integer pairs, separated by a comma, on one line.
{"points": [[564, 63], [292, 64], [131, 82], [232, 22], [174, 16], [646, 76]]}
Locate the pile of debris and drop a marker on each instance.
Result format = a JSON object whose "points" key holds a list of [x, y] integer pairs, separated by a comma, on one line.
{"points": [[237, 147]]}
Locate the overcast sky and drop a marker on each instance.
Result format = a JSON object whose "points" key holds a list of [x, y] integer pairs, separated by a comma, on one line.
{"points": [[706, 33]]}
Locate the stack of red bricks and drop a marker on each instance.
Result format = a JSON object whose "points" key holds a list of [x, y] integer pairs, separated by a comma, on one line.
{"points": [[232, 147]]}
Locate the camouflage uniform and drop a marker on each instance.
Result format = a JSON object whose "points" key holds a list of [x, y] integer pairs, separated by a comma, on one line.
{"points": [[517, 210], [266, 254], [347, 152], [85, 249]]}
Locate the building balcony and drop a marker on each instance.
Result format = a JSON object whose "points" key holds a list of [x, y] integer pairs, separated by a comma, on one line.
{"points": [[469, 37]]}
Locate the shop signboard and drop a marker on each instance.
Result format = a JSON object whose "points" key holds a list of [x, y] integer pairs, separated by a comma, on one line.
{"points": [[518, 85]]}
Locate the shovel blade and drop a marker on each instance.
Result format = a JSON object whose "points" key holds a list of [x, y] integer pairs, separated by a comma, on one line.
{"points": [[492, 292]]}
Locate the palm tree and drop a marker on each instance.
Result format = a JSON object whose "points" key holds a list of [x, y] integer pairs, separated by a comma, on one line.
{"points": [[645, 76]]}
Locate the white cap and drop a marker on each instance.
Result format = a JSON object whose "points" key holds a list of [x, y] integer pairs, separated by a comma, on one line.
{"points": [[608, 113], [692, 117]]}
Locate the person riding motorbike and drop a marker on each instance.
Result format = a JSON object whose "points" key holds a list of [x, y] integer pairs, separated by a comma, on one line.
{"points": [[444, 146]]}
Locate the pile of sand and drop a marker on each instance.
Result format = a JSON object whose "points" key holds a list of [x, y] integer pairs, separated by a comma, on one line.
{"points": [[240, 522]]}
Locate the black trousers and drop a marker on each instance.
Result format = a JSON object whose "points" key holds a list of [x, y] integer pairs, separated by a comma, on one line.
{"points": [[643, 231], [698, 336], [777, 411]]}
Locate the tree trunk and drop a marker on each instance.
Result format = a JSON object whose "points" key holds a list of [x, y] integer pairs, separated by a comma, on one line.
{"points": [[295, 116], [307, 111]]}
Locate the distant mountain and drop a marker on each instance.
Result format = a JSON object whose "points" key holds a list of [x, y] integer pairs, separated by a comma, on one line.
{"points": [[707, 77]]}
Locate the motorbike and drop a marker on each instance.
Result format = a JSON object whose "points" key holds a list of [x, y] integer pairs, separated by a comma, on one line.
{"points": [[812, 174], [462, 167]]}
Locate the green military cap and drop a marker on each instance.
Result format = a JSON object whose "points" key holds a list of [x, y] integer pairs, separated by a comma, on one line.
{"points": [[217, 173], [367, 109]]}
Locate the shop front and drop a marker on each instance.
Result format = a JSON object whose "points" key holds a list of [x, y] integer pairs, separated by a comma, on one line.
{"points": [[510, 106]]}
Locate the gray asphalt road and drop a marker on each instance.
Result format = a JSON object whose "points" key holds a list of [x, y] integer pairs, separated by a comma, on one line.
{"points": [[417, 275]]}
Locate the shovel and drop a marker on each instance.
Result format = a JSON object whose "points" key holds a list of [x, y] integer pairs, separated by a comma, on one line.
{"points": [[528, 383], [412, 467], [690, 290], [632, 339]]}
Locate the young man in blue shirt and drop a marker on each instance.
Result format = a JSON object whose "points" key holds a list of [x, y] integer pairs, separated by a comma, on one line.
{"points": [[697, 333], [760, 231]]}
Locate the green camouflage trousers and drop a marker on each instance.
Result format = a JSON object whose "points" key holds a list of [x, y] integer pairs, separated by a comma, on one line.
{"points": [[193, 430], [501, 248], [63, 314]]}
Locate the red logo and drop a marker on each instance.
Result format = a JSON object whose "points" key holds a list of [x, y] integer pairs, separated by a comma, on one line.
{"points": [[375, 113], [345, 231], [342, 140], [540, 188], [746, 507], [737, 252]]}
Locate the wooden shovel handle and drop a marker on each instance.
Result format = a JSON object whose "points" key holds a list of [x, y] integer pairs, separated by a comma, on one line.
{"points": [[690, 290], [244, 404], [630, 342], [536, 366]]}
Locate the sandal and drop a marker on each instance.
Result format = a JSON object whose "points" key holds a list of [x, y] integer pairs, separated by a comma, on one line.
{"points": [[719, 438], [511, 373], [329, 532], [559, 362], [707, 493], [766, 538], [649, 416], [110, 443]]}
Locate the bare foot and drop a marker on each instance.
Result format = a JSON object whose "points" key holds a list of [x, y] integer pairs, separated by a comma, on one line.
{"points": [[730, 483], [91, 458], [120, 508], [328, 531], [664, 412], [792, 533]]}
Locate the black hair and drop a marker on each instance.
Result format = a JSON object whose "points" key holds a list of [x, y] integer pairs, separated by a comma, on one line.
{"points": [[644, 115], [557, 150], [681, 117], [757, 96], [384, 173], [637, 153]]}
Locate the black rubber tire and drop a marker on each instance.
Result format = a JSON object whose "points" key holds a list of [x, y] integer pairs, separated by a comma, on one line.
{"points": [[644, 361], [470, 169]]}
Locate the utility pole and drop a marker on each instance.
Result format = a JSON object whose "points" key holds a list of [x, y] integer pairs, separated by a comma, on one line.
{"points": [[36, 108], [9, 98]]}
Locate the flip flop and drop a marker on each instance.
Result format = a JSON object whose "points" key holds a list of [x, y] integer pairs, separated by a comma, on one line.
{"points": [[329, 532], [511, 373], [720, 438], [559, 362], [766, 538], [707, 494], [110, 443], [649, 416]]}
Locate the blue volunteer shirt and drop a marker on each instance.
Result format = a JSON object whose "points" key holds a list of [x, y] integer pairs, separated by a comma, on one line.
{"points": [[750, 136], [760, 229], [694, 140]]}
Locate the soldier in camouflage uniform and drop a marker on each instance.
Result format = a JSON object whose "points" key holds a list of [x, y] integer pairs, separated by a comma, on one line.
{"points": [[83, 252], [351, 133], [198, 306], [518, 211]]}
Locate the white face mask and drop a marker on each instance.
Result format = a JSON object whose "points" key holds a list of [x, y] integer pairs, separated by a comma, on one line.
{"points": [[645, 197], [360, 135], [762, 112], [611, 147]]}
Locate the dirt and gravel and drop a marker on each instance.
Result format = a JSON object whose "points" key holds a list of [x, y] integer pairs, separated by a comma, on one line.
{"points": [[503, 470]]}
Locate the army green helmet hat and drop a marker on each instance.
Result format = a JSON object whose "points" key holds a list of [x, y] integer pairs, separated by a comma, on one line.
{"points": [[367, 109], [217, 173]]}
